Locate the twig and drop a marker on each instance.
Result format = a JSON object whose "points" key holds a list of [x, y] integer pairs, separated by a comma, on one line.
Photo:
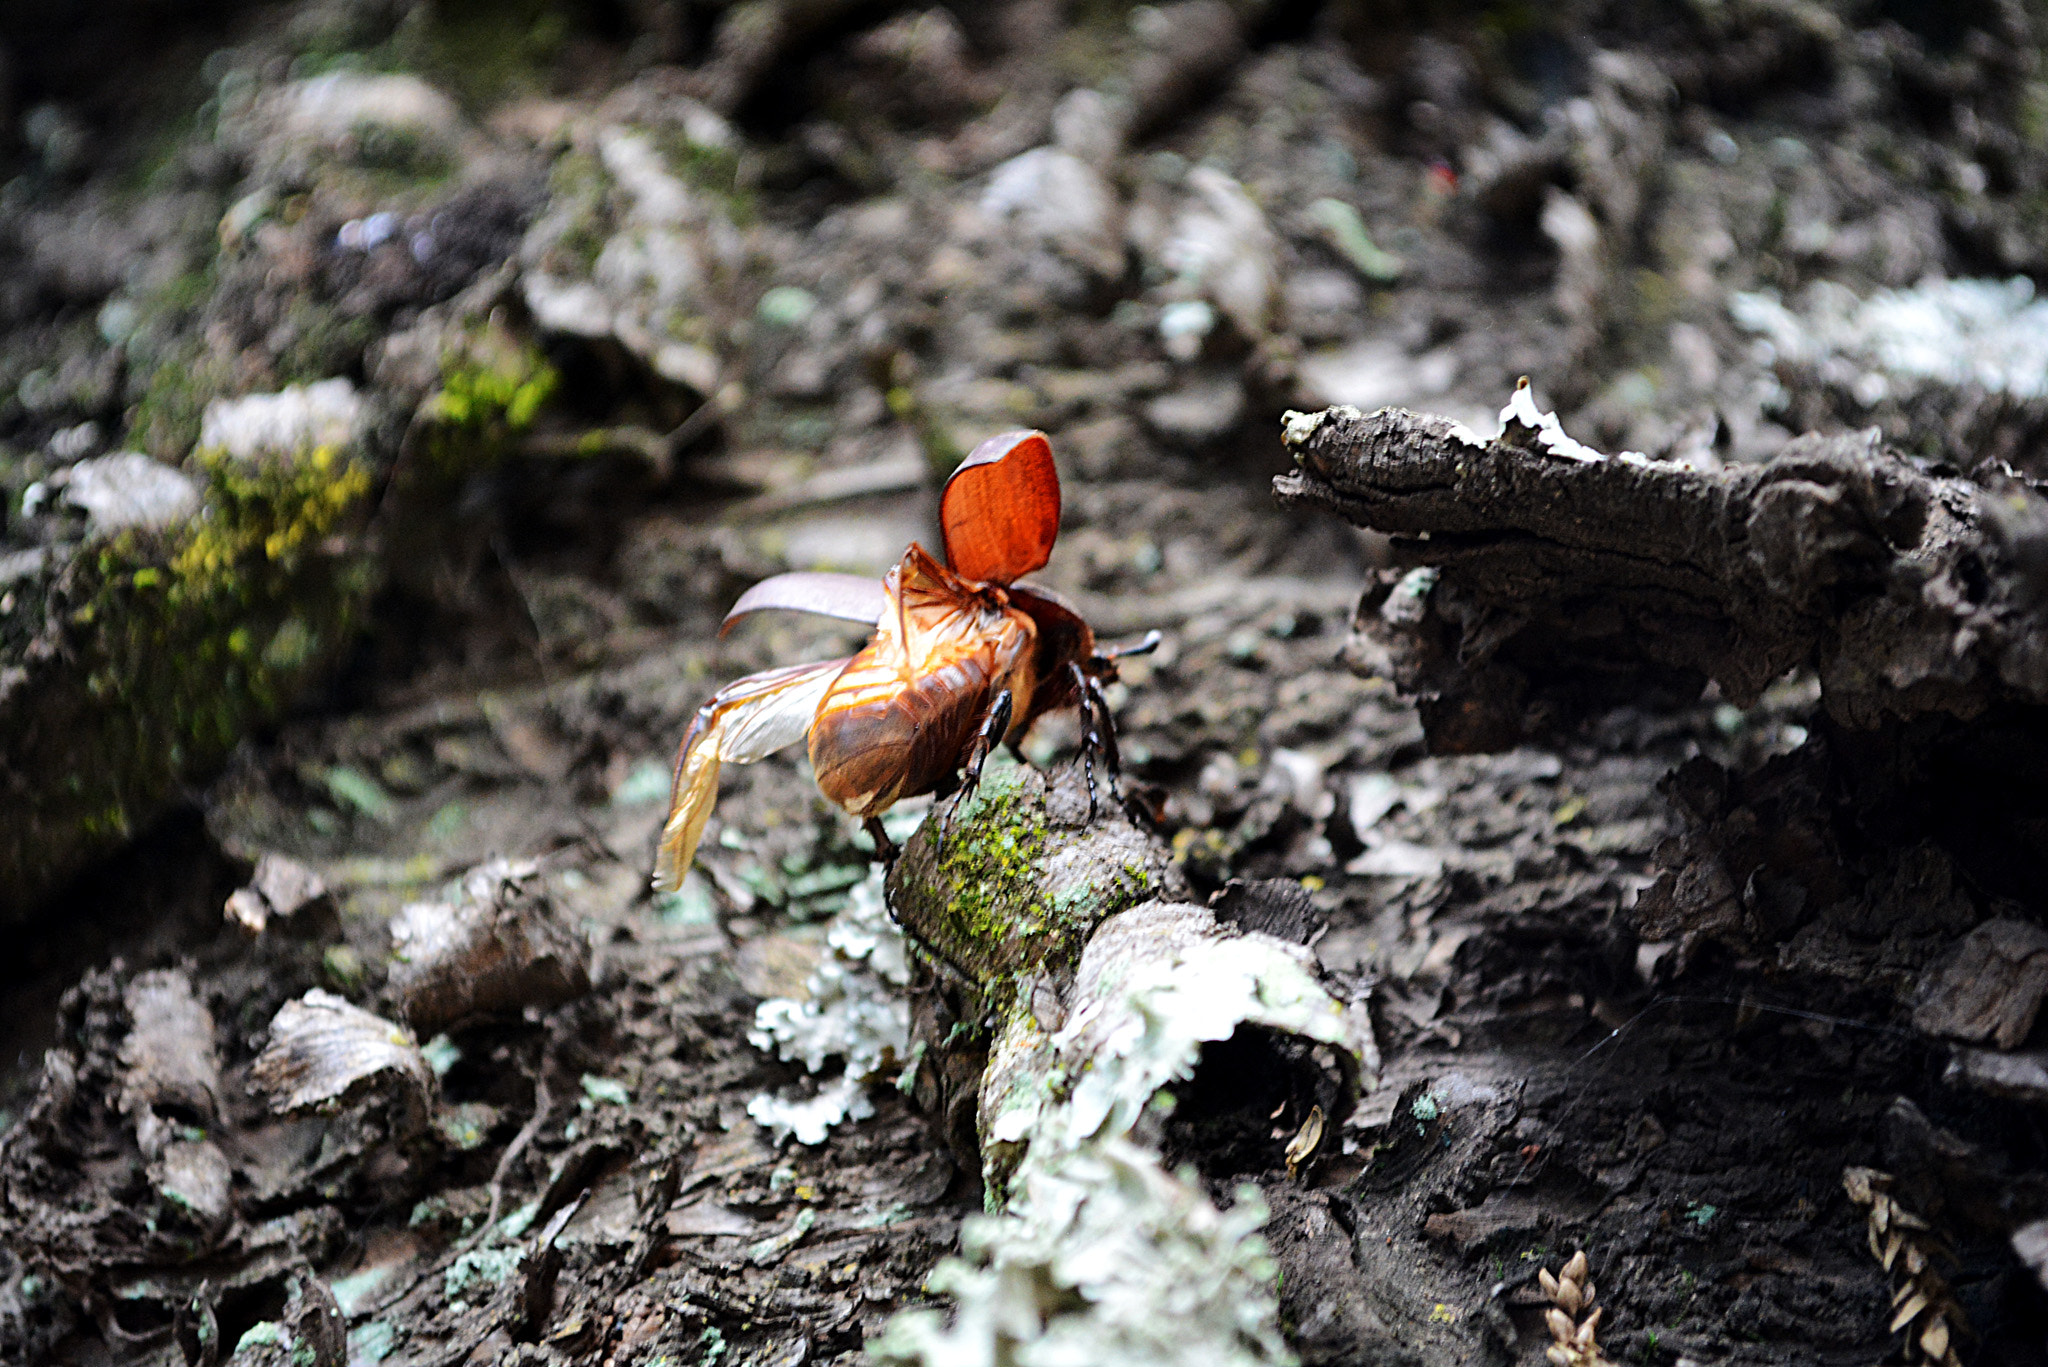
{"points": [[543, 1102]]}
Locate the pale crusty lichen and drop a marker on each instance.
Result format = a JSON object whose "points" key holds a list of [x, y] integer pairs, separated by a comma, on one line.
{"points": [[1103, 1257], [852, 1011]]}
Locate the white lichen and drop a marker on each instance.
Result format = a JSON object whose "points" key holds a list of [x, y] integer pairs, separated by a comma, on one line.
{"points": [[1898, 342], [297, 418], [1103, 1257], [1158, 982], [1547, 431], [128, 489], [852, 1013], [1100, 1254]]}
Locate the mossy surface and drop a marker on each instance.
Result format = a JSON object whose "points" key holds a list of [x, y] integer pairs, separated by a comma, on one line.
{"points": [[1012, 879], [492, 388], [160, 651]]}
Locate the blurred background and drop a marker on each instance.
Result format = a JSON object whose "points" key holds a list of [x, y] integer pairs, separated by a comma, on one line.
{"points": [[394, 394]]}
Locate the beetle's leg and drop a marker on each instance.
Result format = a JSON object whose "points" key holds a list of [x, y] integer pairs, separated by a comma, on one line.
{"points": [[1099, 735], [885, 848], [993, 726], [1086, 703]]}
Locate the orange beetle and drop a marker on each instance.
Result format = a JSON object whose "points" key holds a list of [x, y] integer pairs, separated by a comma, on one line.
{"points": [[963, 658]]}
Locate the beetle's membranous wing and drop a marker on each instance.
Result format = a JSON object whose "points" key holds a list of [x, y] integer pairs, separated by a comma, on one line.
{"points": [[847, 596], [747, 719], [897, 720], [1001, 509]]}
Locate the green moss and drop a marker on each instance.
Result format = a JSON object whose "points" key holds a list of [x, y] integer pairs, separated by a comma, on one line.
{"points": [[991, 893], [492, 388], [174, 646], [988, 867]]}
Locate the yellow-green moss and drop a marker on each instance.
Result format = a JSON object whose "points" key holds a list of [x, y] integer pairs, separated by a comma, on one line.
{"points": [[989, 866], [173, 646], [268, 509], [986, 891], [492, 388]]}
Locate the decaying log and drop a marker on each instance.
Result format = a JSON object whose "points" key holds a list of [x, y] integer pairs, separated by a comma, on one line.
{"points": [[1549, 579], [1065, 990], [1542, 581]]}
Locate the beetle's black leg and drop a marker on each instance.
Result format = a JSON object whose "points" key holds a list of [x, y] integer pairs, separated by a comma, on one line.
{"points": [[885, 848], [1098, 736], [1089, 699], [993, 727]]}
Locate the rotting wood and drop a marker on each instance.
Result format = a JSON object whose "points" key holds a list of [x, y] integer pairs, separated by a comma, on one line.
{"points": [[1546, 579], [1064, 991]]}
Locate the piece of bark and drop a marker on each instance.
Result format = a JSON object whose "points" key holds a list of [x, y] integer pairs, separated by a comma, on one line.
{"points": [[1989, 987], [322, 1048], [169, 1059], [278, 888], [499, 947], [1548, 579], [2020, 1076]]}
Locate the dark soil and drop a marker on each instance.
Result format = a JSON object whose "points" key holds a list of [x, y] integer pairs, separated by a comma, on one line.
{"points": [[1679, 1102]]}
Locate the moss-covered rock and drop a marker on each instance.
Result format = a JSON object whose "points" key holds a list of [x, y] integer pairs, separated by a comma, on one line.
{"points": [[157, 650]]}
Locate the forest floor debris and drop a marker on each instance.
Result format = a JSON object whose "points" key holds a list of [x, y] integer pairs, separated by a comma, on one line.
{"points": [[665, 299]]}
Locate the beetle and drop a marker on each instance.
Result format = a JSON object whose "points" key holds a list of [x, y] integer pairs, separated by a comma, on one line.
{"points": [[964, 657]]}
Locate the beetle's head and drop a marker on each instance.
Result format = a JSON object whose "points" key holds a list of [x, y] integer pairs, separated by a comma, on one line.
{"points": [[1102, 664]]}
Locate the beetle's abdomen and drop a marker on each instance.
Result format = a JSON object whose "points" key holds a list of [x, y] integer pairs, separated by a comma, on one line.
{"points": [[877, 740]]}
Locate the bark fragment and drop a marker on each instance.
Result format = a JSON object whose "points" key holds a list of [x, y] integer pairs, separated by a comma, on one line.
{"points": [[1560, 580], [321, 1048], [1990, 986], [498, 947]]}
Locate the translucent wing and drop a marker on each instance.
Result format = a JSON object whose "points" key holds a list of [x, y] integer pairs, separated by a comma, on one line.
{"points": [[744, 721], [1001, 509], [829, 595]]}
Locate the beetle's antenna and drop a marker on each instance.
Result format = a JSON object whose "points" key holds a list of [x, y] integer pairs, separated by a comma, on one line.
{"points": [[1144, 645]]}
